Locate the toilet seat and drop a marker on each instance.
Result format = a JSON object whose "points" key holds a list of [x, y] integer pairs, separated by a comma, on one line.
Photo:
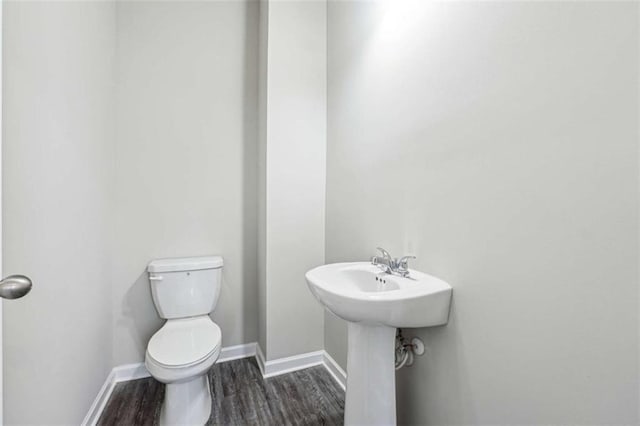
{"points": [[185, 342]]}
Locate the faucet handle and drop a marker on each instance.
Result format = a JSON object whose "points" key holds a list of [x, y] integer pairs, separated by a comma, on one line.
{"points": [[403, 262], [385, 253]]}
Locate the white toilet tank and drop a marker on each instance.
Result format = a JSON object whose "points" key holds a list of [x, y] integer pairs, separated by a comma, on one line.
{"points": [[186, 286]]}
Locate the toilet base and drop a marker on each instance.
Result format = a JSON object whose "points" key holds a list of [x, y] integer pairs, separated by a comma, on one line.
{"points": [[187, 403]]}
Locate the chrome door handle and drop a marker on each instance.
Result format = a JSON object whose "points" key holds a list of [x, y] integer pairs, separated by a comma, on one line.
{"points": [[15, 286]]}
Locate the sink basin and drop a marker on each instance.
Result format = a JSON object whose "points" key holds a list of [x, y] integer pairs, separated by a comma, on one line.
{"points": [[376, 303], [361, 292]]}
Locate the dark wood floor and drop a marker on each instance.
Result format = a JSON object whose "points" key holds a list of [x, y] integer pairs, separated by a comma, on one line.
{"points": [[240, 397]]}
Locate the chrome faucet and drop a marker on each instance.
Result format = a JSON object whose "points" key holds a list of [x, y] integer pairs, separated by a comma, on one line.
{"points": [[383, 262], [397, 266]]}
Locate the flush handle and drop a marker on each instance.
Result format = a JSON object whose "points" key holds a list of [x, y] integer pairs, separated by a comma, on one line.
{"points": [[155, 277], [15, 286]]}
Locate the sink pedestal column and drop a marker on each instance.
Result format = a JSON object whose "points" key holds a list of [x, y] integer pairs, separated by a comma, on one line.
{"points": [[371, 376]]}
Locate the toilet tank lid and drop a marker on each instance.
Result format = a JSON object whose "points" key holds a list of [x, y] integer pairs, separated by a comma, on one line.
{"points": [[177, 264]]}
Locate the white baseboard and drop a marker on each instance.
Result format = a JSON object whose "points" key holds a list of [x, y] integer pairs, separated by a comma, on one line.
{"points": [[123, 373], [268, 369], [101, 401], [299, 362], [286, 365], [237, 352], [260, 359], [338, 374]]}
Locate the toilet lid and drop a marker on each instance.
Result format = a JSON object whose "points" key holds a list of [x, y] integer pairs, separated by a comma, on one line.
{"points": [[185, 341]]}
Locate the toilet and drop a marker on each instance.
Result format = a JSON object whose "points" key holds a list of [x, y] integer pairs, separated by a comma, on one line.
{"points": [[185, 291]]}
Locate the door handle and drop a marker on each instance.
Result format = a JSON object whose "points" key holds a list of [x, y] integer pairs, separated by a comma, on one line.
{"points": [[15, 286]]}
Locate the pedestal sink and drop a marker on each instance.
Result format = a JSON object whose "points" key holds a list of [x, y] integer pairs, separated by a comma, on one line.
{"points": [[375, 303]]}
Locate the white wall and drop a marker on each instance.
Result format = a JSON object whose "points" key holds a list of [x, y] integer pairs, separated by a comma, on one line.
{"points": [[498, 142], [292, 178], [57, 186], [186, 179]]}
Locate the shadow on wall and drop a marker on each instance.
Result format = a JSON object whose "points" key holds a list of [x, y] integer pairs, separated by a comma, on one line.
{"points": [[139, 316], [250, 176], [441, 363]]}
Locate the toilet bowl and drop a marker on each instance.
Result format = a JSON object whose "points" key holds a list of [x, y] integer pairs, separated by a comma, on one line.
{"points": [[181, 353]]}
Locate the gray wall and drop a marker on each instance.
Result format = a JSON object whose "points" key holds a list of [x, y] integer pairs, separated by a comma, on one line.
{"points": [[263, 31], [186, 158], [130, 132], [57, 195], [498, 142], [292, 179]]}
